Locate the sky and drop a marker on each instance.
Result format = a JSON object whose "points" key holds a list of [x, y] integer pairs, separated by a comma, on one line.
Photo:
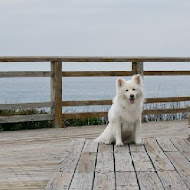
{"points": [[94, 28]]}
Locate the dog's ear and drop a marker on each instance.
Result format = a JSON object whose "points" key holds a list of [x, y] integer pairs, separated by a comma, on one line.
{"points": [[138, 79], [120, 82]]}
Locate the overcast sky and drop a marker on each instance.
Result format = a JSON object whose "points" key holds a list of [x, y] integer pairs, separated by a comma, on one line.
{"points": [[95, 27]]}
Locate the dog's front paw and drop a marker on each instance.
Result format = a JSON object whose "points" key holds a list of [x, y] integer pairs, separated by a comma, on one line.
{"points": [[119, 143], [138, 141]]}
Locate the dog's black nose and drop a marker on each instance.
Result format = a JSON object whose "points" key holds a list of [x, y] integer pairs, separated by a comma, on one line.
{"points": [[131, 96]]}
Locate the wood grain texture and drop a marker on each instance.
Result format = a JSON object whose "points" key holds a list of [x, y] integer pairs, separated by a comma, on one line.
{"points": [[182, 166], [166, 144], [123, 161], [182, 145], [104, 181], [25, 105], [158, 158], [63, 176], [126, 180], [171, 180], [24, 118], [166, 73], [8, 74], [135, 148], [91, 59], [137, 67], [82, 181], [90, 146], [149, 181], [96, 73], [56, 93], [142, 162], [109, 102]]}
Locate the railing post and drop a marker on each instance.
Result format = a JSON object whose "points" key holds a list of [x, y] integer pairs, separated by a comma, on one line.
{"points": [[188, 114], [56, 93], [137, 68]]}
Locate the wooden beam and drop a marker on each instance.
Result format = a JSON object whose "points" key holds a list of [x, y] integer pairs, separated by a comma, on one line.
{"points": [[56, 93], [166, 73], [91, 59], [109, 102], [25, 74], [96, 73], [165, 111], [137, 68], [25, 105], [25, 118], [188, 109]]}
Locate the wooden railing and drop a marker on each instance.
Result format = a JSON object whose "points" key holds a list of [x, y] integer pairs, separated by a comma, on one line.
{"points": [[56, 75]]}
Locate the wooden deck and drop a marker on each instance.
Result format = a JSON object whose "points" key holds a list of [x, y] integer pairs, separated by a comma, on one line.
{"points": [[69, 159]]}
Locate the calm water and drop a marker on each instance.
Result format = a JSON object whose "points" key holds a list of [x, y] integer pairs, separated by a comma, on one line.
{"points": [[16, 90]]}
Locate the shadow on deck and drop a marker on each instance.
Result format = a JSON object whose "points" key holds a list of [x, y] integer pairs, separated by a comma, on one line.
{"points": [[69, 159]]}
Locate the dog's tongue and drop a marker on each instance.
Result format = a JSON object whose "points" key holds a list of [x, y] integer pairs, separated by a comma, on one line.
{"points": [[132, 101]]}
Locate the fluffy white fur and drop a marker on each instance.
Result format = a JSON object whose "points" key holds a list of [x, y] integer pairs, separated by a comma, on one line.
{"points": [[125, 113]]}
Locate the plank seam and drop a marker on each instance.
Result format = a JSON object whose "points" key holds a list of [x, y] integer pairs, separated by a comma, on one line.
{"points": [[77, 164], [95, 167], [114, 165], [170, 162], [179, 150], [134, 167], [153, 164]]}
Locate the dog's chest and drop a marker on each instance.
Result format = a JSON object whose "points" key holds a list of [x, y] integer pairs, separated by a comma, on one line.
{"points": [[130, 115]]}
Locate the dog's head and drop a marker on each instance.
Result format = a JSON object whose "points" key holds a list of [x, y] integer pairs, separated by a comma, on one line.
{"points": [[131, 89]]}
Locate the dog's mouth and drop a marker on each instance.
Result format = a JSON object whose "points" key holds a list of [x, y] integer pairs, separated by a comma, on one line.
{"points": [[132, 100]]}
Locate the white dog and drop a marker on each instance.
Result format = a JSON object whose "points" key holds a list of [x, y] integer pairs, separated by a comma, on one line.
{"points": [[125, 113]]}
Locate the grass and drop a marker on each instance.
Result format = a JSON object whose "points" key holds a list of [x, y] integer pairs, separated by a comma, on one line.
{"points": [[87, 121]]}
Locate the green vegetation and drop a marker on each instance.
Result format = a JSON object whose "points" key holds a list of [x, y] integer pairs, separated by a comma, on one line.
{"points": [[87, 121]]}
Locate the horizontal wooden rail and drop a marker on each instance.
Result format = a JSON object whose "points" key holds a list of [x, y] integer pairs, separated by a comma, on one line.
{"points": [[120, 73], [165, 111], [92, 59], [109, 102], [96, 73], [26, 105], [165, 73], [25, 118], [105, 114], [25, 74]]}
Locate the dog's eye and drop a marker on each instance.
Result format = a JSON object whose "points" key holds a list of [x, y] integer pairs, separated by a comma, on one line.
{"points": [[127, 90], [133, 89]]}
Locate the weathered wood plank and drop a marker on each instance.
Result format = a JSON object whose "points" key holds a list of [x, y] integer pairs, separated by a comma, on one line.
{"points": [[63, 176], [166, 144], [56, 93], [126, 180], [6, 74], [82, 181], [182, 146], [104, 181], [86, 163], [159, 159], [171, 180], [182, 166], [137, 67], [96, 73], [123, 161], [124, 148], [164, 111], [24, 118], [105, 148], [166, 73], [90, 146], [105, 114], [142, 162], [25, 105], [135, 148], [109, 102], [105, 162], [149, 181], [91, 59]]}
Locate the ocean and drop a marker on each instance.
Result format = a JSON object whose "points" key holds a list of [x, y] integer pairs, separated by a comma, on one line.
{"points": [[23, 90]]}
